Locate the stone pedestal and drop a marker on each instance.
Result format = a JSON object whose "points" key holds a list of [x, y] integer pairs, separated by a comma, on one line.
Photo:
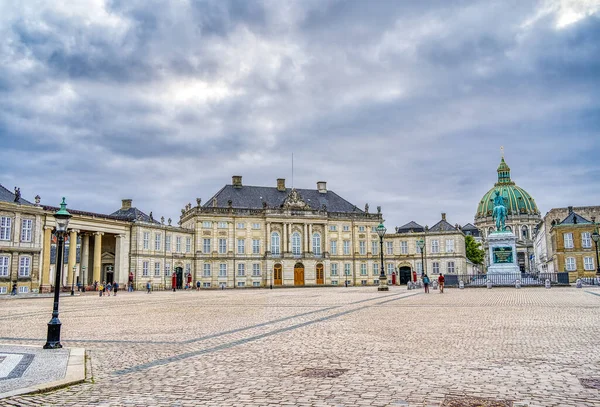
{"points": [[503, 253]]}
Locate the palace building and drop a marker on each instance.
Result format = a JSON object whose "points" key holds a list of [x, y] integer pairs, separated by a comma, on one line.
{"points": [[523, 215]]}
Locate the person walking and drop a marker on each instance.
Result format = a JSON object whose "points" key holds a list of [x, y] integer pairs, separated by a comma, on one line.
{"points": [[426, 282], [108, 288], [115, 288], [14, 289], [130, 287], [197, 285], [441, 280], [100, 289], [148, 286]]}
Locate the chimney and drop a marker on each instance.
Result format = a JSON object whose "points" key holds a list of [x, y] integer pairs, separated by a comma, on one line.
{"points": [[322, 187], [443, 216], [570, 210], [281, 184], [125, 203], [236, 181]]}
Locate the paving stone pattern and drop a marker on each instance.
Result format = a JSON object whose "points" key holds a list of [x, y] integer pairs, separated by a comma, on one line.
{"points": [[322, 347]]}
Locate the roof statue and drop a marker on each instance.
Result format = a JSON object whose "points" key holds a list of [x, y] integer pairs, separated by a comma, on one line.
{"points": [[295, 201], [17, 194], [499, 212], [367, 207]]}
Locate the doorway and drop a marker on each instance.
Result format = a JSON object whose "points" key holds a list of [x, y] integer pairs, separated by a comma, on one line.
{"points": [[299, 274], [277, 275], [179, 272], [405, 274], [320, 279]]}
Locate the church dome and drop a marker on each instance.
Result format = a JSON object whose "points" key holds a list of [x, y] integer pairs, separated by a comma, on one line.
{"points": [[517, 200]]}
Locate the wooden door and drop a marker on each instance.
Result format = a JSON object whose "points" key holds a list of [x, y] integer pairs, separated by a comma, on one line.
{"points": [[320, 274], [298, 274], [277, 275]]}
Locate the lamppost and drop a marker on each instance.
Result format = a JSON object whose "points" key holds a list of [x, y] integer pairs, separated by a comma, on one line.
{"points": [[596, 238], [382, 278], [421, 245], [62, 222], [83, 279], [73, 281]]}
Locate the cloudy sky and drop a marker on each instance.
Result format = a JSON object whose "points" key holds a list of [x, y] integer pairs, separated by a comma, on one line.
{"points": [[403, 104]]}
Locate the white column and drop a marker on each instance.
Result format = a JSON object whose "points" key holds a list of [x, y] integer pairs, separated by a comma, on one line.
{"points": [[118, 243], [268, 238], [305, 238], [284, 238], [326, 238], [310, 238], [85, 258]]}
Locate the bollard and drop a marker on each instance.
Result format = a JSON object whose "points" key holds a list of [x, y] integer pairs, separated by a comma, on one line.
{"points": [[547, 283], [409, 285], [517, 283], [435, 285], [578, 283], [461, 285], [489, 284]]}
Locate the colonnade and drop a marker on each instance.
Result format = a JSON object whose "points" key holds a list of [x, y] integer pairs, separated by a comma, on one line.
{"points": [[307, 232]]}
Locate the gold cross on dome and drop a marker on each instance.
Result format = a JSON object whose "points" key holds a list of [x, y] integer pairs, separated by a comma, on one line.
{"points": [[502, 151]]}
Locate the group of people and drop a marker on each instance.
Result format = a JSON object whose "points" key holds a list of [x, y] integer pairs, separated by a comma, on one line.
{"points": [[104, 288], [427, 281]]}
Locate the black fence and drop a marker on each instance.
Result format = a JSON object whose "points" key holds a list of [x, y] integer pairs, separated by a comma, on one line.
{"points": [[525, 279]]}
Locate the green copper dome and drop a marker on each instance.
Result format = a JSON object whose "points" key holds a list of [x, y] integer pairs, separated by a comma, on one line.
{"points": [[516, 199]]}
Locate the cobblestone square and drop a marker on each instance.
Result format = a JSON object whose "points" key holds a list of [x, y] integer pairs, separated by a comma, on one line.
{"points": [[321, 346]]}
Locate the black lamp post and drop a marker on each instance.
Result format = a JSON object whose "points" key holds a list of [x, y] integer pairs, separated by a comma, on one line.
{"points": [[62, 222], [73, 279], [382, 278], [421, 245], [596, 238]]}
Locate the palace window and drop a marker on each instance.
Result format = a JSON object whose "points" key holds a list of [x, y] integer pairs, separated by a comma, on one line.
{"points": [[588, 263], [24, 266], [26, 227], [419, 267], [145, 269], [146, 240], [347, 269], [375, 269], [571, 264], [316, 244], [188, 268], [256, 226], [256, 284], [206, 285], [5, 225], [223, 270], [241, 225], [436, 267], [206, 270], [450, 267], [389, 247], [346, 228], [363, 269], [157, 241], [241, 283], [178, 244], [404, 247], [255, 246], [275, 243], [346, 247], [374, 247], [207, 224], [2, 290], [222, 225], [23, 289], [361, 228], [168, 243], [334, 269], [167, 269], [188, 244], [435, 246], [362, 247], [333, 245], [241, 270], [222, 246], [241, 246], [3, 266], [157, 269], [568, 240], [449, 245], [586, 240], [256, 270], [525, 232], [206, 246], [418, 250], [332, 228], [296, 244], [390, 268]]}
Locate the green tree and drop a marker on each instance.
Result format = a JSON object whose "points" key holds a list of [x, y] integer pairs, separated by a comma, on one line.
{"points": [[474, 251]]}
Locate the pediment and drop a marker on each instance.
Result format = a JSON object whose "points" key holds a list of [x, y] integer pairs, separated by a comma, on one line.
{"points": [[294, 201], [108, 257]]}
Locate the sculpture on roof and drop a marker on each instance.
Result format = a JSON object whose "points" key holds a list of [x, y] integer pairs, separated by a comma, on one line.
{"points": [[151, 217], [379, 210], [37, 199], [162, 220], [295, 201], [367, 207], [198, 201], [169, 220], [17, 194], [499, 212]]}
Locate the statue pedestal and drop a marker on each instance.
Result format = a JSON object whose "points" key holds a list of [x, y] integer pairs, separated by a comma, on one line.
{"points": [[503, 253]]}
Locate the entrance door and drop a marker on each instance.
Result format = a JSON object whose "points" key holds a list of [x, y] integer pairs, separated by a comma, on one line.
{"points": [[405, 274], [277, 275], [521, 260], [299, 274], [179, 272], [320, 273]]}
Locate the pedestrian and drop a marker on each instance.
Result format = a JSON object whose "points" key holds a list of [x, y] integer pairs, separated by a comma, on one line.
{"points": [[130, 287], [103, 287], [148, 286], [441, 280], [108, 288], [197, 285], [426, 282], [100, 289], [116, 288], [95, 285], [14, 289]]}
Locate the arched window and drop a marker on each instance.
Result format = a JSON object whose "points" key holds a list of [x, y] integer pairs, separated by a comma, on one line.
{"points": [[508, 229], [296, 250], [275, 243], [490, 231], [525, 232], [316, 244]]}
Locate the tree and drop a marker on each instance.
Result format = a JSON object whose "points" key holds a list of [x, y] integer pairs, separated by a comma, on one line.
{"points": [[474, 251]]}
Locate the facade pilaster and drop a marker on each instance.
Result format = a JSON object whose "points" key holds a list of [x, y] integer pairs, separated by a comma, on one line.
{"points": [[85, 258], [118, 249], [72, 256], [310, 228], [45, 278], [97, 255]]}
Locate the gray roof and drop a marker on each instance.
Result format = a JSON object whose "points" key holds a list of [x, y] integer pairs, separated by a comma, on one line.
{"points": [[469, 226], [442, 226], [412, 225], [7, 196], [252, 197], [574, 219], [133, 214]]}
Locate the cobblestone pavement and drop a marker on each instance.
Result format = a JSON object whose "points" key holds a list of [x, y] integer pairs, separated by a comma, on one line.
{"points": [[322, 346]]}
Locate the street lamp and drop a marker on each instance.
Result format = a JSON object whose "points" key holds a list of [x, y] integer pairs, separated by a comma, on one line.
{"points": [[62, 222], [83, 279], [596, 238], [382, 278], [421, 245], [73, 280]]}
